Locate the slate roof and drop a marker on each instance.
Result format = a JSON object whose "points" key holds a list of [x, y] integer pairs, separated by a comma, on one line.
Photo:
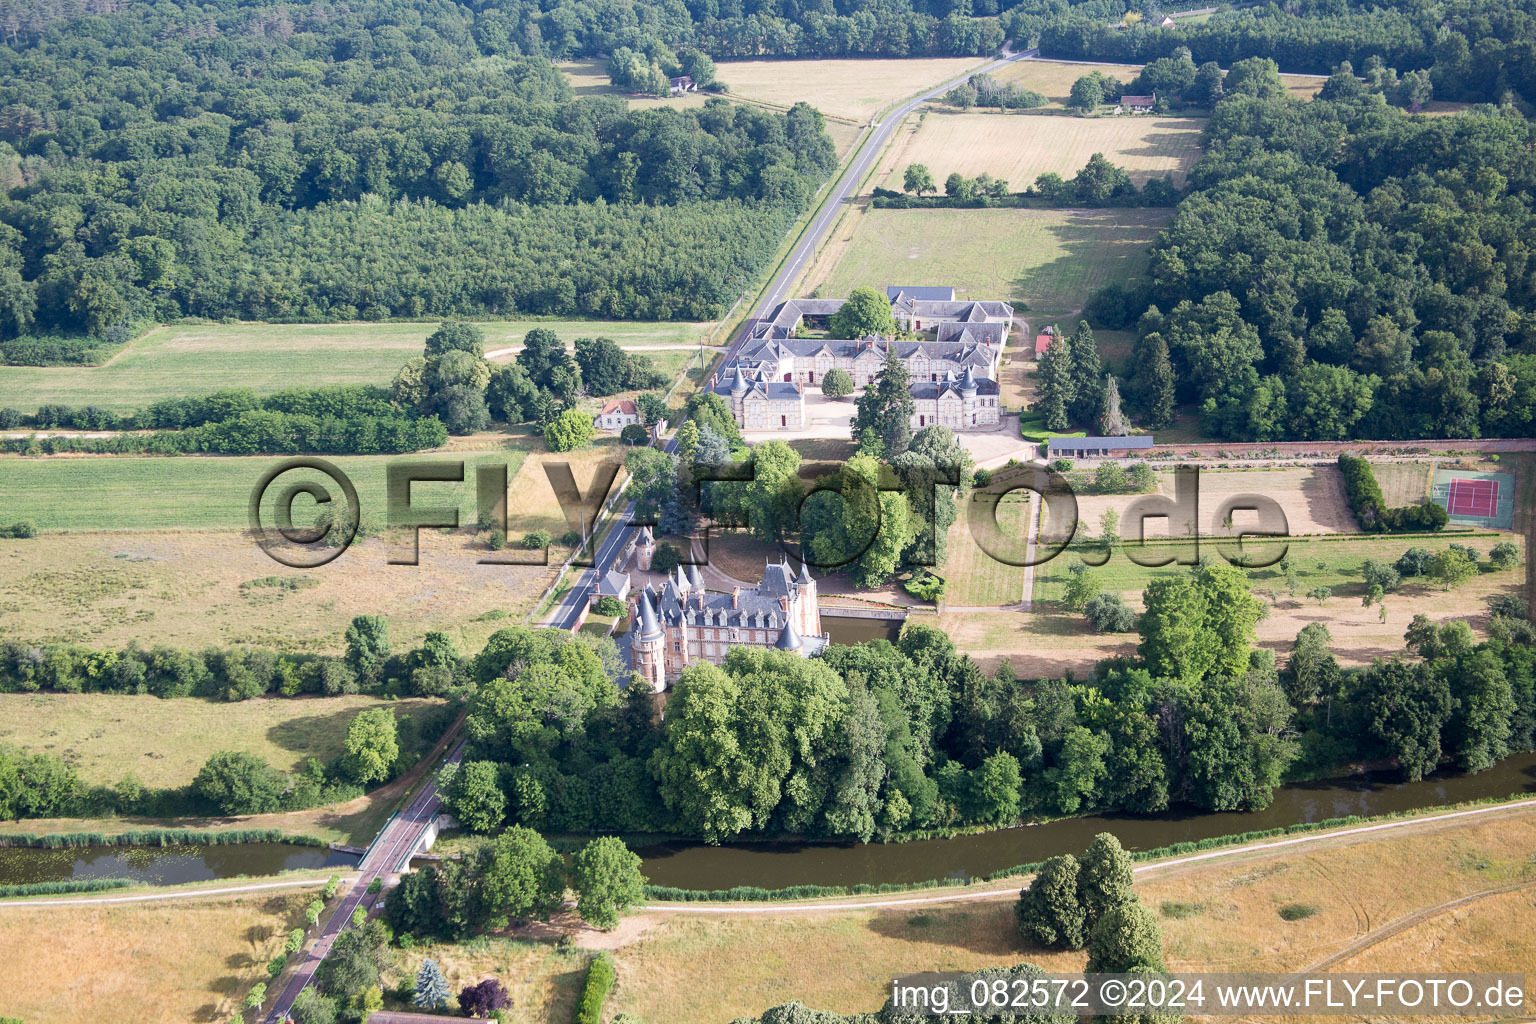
{"points": [[613, 584], [920, 291], [968, 347], [962, 311], [1138, 101], [932, 390], [781, 323], [994, 334], [758, 608], [749, 385], [1139, 441]]}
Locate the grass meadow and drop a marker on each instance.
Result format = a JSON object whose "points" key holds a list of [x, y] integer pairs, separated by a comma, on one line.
{"points": [[165, 742], [192, 359], [1019, 147], [1051, 259]]}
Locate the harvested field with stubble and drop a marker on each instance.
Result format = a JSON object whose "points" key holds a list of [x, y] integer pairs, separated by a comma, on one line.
{"points": [[854, 89], [1019, 147], [173, 962], [1052, 259], [194, 359], [1218, 916]]}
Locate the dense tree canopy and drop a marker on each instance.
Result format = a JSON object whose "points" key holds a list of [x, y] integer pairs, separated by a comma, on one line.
{"points": [[393, 158]]}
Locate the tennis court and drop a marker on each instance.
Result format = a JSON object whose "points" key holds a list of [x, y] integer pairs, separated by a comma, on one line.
{"points": [[1473, 497], [1479, 499]]}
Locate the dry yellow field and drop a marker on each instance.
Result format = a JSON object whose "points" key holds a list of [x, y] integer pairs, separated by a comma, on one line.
{"points": [[1018, 148], [1219, 916], [1053, 79], [853, 89], [184, 589], [174, 961]]}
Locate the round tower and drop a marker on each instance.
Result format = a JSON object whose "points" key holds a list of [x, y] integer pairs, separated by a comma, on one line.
{"points": [[648, 646]]}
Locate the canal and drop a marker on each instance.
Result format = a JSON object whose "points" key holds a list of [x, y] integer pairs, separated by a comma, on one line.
{"points": [[162, 865], [777, 865]]}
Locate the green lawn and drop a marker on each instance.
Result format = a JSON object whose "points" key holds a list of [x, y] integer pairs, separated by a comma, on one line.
{"points": [[1319, 563], [203, 492], [165, 742], [973, 577], [188, 359], [1052, 259]]}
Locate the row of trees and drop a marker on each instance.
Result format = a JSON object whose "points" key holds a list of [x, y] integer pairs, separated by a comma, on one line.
{"points": [[1074, 389]]}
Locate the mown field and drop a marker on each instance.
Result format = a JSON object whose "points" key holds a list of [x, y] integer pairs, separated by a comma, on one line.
{"points": [[1052, 259], [203, 492], [193, 359], [1019, 147], [973, 578], [172, 961], [165, 742]]}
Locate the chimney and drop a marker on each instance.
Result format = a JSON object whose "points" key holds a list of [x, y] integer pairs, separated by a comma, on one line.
{"points": [[701, 600], [735, 597]]}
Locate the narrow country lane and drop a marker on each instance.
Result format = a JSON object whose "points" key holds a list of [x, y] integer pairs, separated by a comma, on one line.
{"points": [[389, 854]]}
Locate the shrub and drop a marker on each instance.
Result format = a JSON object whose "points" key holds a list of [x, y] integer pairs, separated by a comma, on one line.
{"points": [[1297, 911], [1362, 493], [22, 529], [634, 434], [536, 540], [484, 999], [927, 587], [608, 605], [981, 478], [571, 430], [1107, 613], [838, 383], [1413, 562], [600, 978], [1504, 555]]}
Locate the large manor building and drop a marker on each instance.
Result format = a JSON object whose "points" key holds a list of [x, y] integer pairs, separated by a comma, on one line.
{"points": [[953, 374], [684, 623]]}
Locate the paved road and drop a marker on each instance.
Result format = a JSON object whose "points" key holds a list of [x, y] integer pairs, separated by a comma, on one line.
{"points": [[390, 851], [874, 139]]}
